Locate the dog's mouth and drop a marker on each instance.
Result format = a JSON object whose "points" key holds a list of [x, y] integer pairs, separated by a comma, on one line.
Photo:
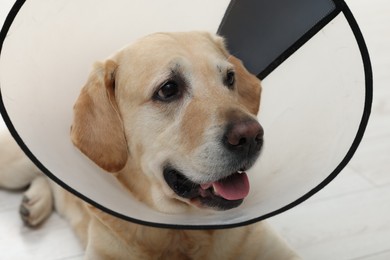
{"points": [[223, 194]]}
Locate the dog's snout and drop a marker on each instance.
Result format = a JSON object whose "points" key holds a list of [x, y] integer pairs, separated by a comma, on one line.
{"points": [[244, 136]]}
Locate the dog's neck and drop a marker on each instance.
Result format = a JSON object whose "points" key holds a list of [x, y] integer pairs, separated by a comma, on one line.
{"points": [[154, 242]]}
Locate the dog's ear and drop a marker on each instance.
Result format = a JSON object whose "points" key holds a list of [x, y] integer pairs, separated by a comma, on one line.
{"points": [[248, 86], [97, 128]]}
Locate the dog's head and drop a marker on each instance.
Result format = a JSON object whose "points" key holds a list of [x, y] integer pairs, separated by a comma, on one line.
{"points": [[174, 116]]}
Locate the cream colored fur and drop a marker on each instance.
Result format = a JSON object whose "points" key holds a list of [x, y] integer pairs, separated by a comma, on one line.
{"points": [[121, 126]]}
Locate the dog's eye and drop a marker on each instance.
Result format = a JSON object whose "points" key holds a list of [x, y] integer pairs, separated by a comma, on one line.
{"points": [[169, 91], [230, 79]]}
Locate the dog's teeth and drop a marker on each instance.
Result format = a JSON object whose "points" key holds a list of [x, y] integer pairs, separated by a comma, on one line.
{"points": [[240, 172], [214, 191]]}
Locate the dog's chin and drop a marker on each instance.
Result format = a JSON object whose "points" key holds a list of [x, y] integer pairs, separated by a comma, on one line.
{"points": [[224, 194]]}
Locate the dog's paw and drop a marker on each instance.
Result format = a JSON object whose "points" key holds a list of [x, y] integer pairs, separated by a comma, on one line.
{"points": [[37, 203]]}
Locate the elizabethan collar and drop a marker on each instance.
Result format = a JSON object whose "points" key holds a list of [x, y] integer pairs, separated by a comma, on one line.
{"points": [[317, 91]]}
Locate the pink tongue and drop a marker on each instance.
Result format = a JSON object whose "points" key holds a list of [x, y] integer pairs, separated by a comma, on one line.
{"points": [[234, 187]]}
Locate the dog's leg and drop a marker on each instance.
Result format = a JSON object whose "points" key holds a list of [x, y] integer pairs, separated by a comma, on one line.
{"points": [[37, 202], [18, 172]]}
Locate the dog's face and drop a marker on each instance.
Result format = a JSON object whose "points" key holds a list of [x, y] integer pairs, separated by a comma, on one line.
{"points": [[174, 115]]}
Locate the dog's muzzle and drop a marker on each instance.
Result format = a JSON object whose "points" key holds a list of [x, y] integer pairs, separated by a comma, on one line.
{"points": [[242, 141]]}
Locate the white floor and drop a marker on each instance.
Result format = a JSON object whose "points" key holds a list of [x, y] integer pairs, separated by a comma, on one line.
{"points": [[349, 219]]}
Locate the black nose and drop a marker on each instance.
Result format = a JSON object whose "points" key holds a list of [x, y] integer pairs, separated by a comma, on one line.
{"points": [[245, 136]]}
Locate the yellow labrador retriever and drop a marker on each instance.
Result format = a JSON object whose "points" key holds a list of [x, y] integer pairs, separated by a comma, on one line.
{"points": [[173, 117]]}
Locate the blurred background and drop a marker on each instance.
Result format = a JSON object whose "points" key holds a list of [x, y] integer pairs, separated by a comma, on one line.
{"points": [[348, 219]]}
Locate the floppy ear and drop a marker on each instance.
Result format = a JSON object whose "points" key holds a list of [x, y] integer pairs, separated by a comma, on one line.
{"points": [[97, 128], [248, 86]]}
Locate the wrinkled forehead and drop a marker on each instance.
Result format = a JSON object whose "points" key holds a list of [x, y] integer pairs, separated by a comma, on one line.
{"points": [[157, 56], [192, 42], [162, 49]]}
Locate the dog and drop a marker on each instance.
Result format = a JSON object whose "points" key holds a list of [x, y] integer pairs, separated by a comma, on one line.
{"points": [[173, 117]]}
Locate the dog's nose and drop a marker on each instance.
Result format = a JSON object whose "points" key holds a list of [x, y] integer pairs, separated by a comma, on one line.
{"points": [[246, 136]]}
